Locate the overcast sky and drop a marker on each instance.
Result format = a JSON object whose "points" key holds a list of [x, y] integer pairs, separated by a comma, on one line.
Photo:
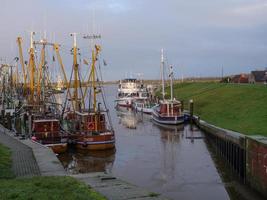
{"points": [[199, 37]]}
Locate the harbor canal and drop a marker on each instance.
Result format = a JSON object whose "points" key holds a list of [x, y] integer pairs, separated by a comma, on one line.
{"points": [[175, 161]]}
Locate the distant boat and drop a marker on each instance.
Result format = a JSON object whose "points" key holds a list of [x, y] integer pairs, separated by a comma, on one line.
{"points": [[143, 103], [59, 86], [169, 111], [144, 106], [127, 91]]}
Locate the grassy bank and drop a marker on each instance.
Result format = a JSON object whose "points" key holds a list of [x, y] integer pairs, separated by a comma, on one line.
{"points": [[237, 107], [40, 188], [5, 163]]}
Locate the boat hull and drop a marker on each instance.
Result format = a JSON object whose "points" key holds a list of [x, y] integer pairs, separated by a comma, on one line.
{"points": [[144, 110], [125, 102], [96, 142], [169, 120], [58, 148]]}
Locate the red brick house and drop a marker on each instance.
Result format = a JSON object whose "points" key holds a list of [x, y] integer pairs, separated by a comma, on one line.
{"points": [[240, 78]]}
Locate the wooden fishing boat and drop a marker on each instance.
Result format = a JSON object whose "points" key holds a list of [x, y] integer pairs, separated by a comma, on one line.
{"points": [[169, 111], [90, 130], [38, 116], [47, 132], [89, 125]]}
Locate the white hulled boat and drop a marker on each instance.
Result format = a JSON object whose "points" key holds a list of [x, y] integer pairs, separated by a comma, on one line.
{"points": [[127, 92], [169, 110]]}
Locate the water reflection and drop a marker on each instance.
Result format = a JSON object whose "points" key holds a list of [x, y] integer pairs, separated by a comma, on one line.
{"points": [[83, 162], [129, 118]]}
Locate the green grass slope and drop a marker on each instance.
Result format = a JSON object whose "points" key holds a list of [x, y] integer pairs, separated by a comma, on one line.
{"points": [[40, 188], [5, 163], [237, 107], [47, 188]]}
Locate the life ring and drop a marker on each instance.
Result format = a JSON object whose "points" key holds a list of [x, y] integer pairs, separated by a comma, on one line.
{"points": [[90, 126]]}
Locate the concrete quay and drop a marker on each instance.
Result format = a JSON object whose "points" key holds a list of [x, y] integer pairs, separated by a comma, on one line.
{"points": [[116, 189]]}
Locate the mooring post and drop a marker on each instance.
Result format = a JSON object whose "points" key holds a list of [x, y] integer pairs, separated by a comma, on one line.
{"points": [[8, 118], [191, 110], [30, 125], [3, 116], [182, 105]]}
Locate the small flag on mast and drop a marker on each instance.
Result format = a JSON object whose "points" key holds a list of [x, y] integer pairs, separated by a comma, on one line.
{"points": [[104, 62], [171, 72], [85, 62]]}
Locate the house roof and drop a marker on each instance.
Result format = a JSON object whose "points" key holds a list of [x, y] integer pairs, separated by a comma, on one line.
{"points": [[240, 78], [259, 76]]}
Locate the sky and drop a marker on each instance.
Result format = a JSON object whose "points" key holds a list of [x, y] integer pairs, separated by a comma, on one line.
{"points": [[199, 38]]}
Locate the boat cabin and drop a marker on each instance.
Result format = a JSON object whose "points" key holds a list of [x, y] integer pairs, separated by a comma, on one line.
{"points": [[47, 130], [170, 108], [91, 121]]}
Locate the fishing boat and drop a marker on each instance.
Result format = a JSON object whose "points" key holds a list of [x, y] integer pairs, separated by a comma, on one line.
{"points": [[59, 86], [47, 132], [169, 111], [38, 115], [88, 126], [144, 106]]}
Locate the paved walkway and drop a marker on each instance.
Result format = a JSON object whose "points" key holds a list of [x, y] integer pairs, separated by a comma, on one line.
{"points": [[29, 158], [116, 189], [23, 160]]}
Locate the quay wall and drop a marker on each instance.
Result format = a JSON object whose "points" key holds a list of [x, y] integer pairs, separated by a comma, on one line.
{"points": [[246, 155]]}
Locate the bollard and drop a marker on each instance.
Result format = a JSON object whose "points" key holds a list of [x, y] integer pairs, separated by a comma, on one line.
{"points": [[8, 118], [29, 125], [191, 110], [3, 117], [18, 126]]}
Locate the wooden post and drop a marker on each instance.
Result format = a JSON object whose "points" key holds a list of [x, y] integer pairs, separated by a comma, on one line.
{"points": [[191, 110], [8, 118]]}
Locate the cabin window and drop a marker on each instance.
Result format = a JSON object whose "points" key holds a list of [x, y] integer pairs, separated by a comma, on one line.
{"points": [[102, 118], [144, 95]]}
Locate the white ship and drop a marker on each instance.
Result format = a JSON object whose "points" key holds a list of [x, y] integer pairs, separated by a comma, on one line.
{"points": [[129, 90]]}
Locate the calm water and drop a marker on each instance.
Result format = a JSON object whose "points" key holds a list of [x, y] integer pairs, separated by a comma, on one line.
{"points": [[173, 161]]}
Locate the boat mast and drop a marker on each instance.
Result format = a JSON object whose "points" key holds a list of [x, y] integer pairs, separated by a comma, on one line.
{"points": [[67, 83], [76, 72], [41, 74], [32, 69], [162, 75], [92, 72], [171, 81], [19, 41]]}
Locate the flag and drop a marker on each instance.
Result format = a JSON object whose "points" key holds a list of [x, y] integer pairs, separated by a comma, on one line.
{"points": [[104, 62], [85, 62], [171, 72]]}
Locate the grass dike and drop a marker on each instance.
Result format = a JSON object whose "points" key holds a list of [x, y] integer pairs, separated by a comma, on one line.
{"points": [[237, 107]]}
